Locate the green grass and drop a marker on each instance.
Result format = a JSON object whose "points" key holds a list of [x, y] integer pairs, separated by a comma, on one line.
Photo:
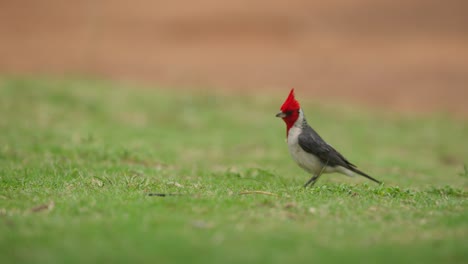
{"points": [[90, 151]]}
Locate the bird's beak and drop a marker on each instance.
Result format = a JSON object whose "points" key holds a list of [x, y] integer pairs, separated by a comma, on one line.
{"points": [[281, 114]]}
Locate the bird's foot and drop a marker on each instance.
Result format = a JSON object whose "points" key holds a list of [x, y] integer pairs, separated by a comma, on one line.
{"points": [[311, 181]]}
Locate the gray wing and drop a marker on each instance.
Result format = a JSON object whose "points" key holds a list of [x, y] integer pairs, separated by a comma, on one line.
{"points": [[311, 142]]}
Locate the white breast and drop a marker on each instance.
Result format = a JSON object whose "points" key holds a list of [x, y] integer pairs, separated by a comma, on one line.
{"points": [[305, 160]]}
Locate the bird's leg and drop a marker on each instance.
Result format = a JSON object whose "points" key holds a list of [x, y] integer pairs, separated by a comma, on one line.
{"points": [[314, 178], [311, 180]]}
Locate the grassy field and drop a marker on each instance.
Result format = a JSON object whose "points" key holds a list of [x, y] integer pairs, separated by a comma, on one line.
{"points": [[78, 158]]}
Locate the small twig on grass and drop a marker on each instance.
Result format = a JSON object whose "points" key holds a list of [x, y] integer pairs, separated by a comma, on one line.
{"points": [[43, 207], [258, 192], [163, 194]]}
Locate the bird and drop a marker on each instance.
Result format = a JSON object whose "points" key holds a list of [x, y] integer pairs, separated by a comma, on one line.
{"points": [[308, 149]]}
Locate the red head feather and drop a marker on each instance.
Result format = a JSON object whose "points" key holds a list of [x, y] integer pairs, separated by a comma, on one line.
{"points": [[290, 108], [291, 104]]}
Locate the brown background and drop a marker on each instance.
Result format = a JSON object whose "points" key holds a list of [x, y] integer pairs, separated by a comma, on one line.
{"points": [[406, 55]]}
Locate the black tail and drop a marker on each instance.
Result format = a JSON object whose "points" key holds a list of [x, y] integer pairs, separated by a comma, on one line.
{"points": [[364, 174]]}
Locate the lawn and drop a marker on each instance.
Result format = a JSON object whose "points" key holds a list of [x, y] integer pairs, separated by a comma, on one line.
{"points": [[78, 159]]}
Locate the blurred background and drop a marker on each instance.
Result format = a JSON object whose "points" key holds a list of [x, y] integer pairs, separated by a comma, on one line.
{"points": [[402, 55]]}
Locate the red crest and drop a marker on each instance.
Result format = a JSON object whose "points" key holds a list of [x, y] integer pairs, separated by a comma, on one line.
{"points": [[291, 104]]}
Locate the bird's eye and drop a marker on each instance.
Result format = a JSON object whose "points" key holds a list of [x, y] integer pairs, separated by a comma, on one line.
{"points": [[289, 112]]}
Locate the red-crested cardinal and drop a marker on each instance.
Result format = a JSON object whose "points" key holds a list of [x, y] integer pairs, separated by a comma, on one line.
{"points": [[308, 149]]}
